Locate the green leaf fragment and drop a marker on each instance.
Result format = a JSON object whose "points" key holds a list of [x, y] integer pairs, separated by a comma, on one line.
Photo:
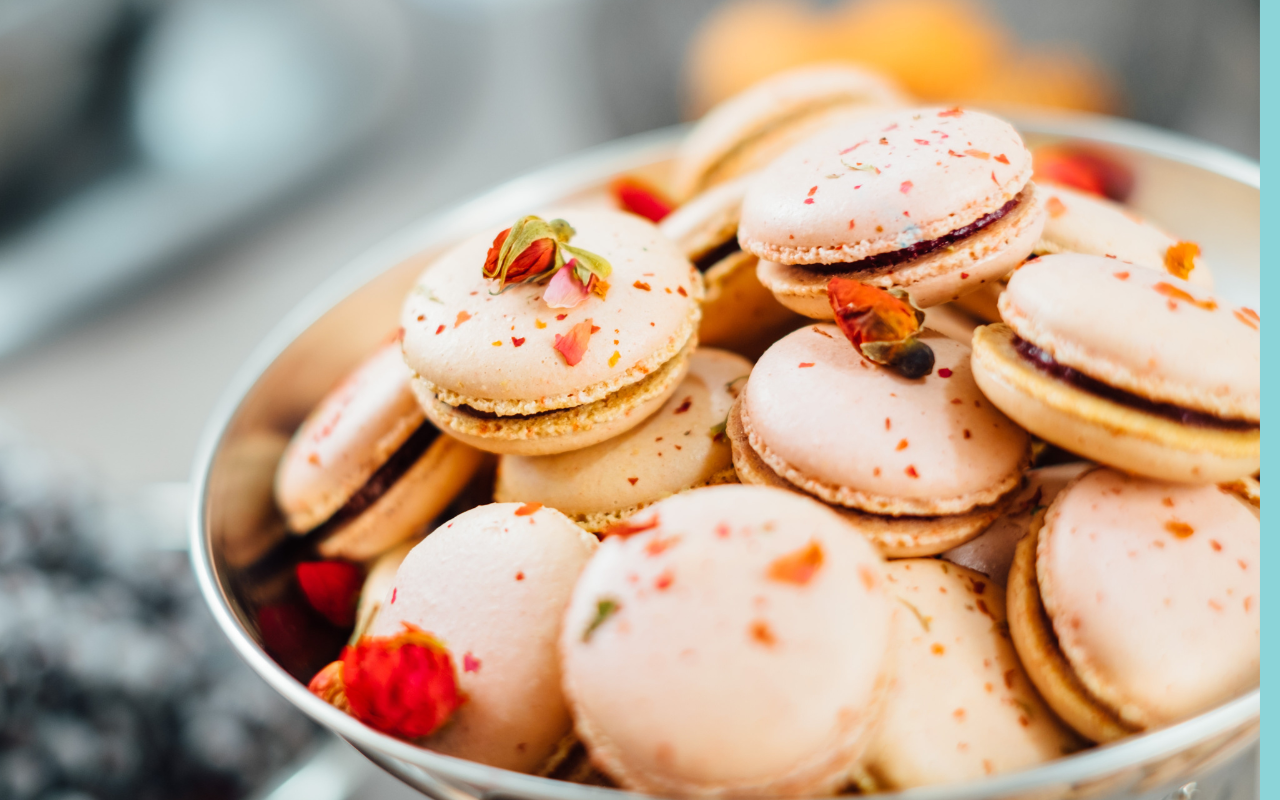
{"points": [[605, 607]]}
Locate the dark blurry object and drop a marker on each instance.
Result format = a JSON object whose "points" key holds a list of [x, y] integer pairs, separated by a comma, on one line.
{"points": [[232, 104], [114, 681]]}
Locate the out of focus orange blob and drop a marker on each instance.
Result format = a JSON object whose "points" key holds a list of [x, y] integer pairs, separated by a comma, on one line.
{"points": [[939, 50]]}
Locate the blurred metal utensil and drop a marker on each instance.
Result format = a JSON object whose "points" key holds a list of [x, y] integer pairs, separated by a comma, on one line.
{"points": [[234, 103]]}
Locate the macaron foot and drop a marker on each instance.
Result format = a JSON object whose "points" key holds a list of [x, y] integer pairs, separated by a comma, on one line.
{"points": [[1103, 430], [1044, 661]]}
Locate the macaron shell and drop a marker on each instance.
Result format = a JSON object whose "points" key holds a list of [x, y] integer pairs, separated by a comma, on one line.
{"points": [[492, 348], [1102, 430], [678, 448], [408, 505], [1080, 222], [492, 585], [961, 707], [739, 313], [378, 582], [710, 677], [351, 432], [1135, 329], [708, 220], [950, 273], [1185, 561], [755, 126], [882, 184], [565, 430], [858, 434], [992, 553], [894, 537]]}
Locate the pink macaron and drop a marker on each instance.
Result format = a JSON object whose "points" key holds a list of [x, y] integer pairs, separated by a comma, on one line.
{"points": [[366, 470], [1136, 603], [492, 585], [735, 643], [918, 465], [937, 202]]}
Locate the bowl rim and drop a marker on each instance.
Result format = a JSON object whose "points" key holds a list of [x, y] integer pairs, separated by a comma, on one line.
{"points": [[562, 178]]}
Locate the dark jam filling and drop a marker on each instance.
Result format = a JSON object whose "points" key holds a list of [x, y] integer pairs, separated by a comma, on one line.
{"points": [[914, 251], [382, 480], [1045, 363], [717, 254]]}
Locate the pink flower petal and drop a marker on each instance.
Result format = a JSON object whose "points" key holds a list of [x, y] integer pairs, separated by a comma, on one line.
{"points": [[573, 345], [565, 290]]}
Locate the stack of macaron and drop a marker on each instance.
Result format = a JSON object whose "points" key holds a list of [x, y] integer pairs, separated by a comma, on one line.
{"points": [[739, 503]]}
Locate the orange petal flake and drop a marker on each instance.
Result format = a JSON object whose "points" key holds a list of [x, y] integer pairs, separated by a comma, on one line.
{"points": [[1055, 207], [630, 527], [1180, 258], [528, 509], [573, 345], [797, 567], [1174, 293]]}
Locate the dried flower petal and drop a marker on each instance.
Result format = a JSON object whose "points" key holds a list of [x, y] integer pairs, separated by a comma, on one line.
{"points": [[797, 567], [573, 345], [565, 289], [1180, 258], [1174, 293], [332, 588], [640, 198], [605, 607], [533, 249], [404, 685]]}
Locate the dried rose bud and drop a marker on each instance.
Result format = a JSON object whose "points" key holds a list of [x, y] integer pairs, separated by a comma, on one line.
{"points": [[883, 325], [328, 686], [640, 199], [534, 250], [332, 588], [404, 685], [1083, 168]]}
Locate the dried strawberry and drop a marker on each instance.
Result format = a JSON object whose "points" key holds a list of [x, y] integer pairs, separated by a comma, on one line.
{"points": [[332, 588], [883, 325], [404, 685]]}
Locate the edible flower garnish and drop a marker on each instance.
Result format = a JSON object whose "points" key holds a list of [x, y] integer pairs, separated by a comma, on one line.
{"points": [[403, 685], [798, 566], [332, 588], [573, 345], [1180, 259], [535, 250], [883, 325], [640, 198]]}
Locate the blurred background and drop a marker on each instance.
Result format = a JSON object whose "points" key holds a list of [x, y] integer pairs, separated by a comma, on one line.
{"points": [[175, 175]]}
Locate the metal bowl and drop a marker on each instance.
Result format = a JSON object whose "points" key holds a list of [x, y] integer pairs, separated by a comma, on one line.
{"points": [[242, 557]]}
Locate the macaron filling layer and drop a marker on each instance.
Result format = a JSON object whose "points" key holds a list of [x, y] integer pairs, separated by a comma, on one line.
{"points": [[1187, 416], [381, 481], [911, 252], [715, 255]]}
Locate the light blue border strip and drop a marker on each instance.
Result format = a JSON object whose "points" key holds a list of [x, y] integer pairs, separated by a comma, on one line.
{"points": [[1269, 785]]}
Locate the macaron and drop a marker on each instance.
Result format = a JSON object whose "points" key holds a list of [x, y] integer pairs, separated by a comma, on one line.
{"points": [[366, 470], [378, 582], [738, 313], [937, 202], [1083, 222], [1128, 367], [1136, 603], [750, 129], [681, 447], [991, 553], [735, 643], [492, 584], [961, 707], [918, 466], [485, 361]]}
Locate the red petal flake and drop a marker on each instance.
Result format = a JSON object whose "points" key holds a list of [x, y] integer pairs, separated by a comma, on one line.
{"points": [[470, 663], [516, 341], [403, 685], [527, 509], [951, 112], [630, 527], [905, 187], [332, 588], [1174, 293], [573, 345], [1002, 158], [944, 373], [641, 199], [797, 567]]}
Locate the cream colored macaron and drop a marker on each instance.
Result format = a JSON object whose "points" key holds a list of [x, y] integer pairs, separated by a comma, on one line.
{"points": [[750, 129], [737, 643], [1128, 367], [486, 366], [992, 552], [937, 202], [366, 471], [1136, 603], [378, 583], [681, 447], [918, 466], [961, 708], [1082, 222], [738, 313], [492, 584]]}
